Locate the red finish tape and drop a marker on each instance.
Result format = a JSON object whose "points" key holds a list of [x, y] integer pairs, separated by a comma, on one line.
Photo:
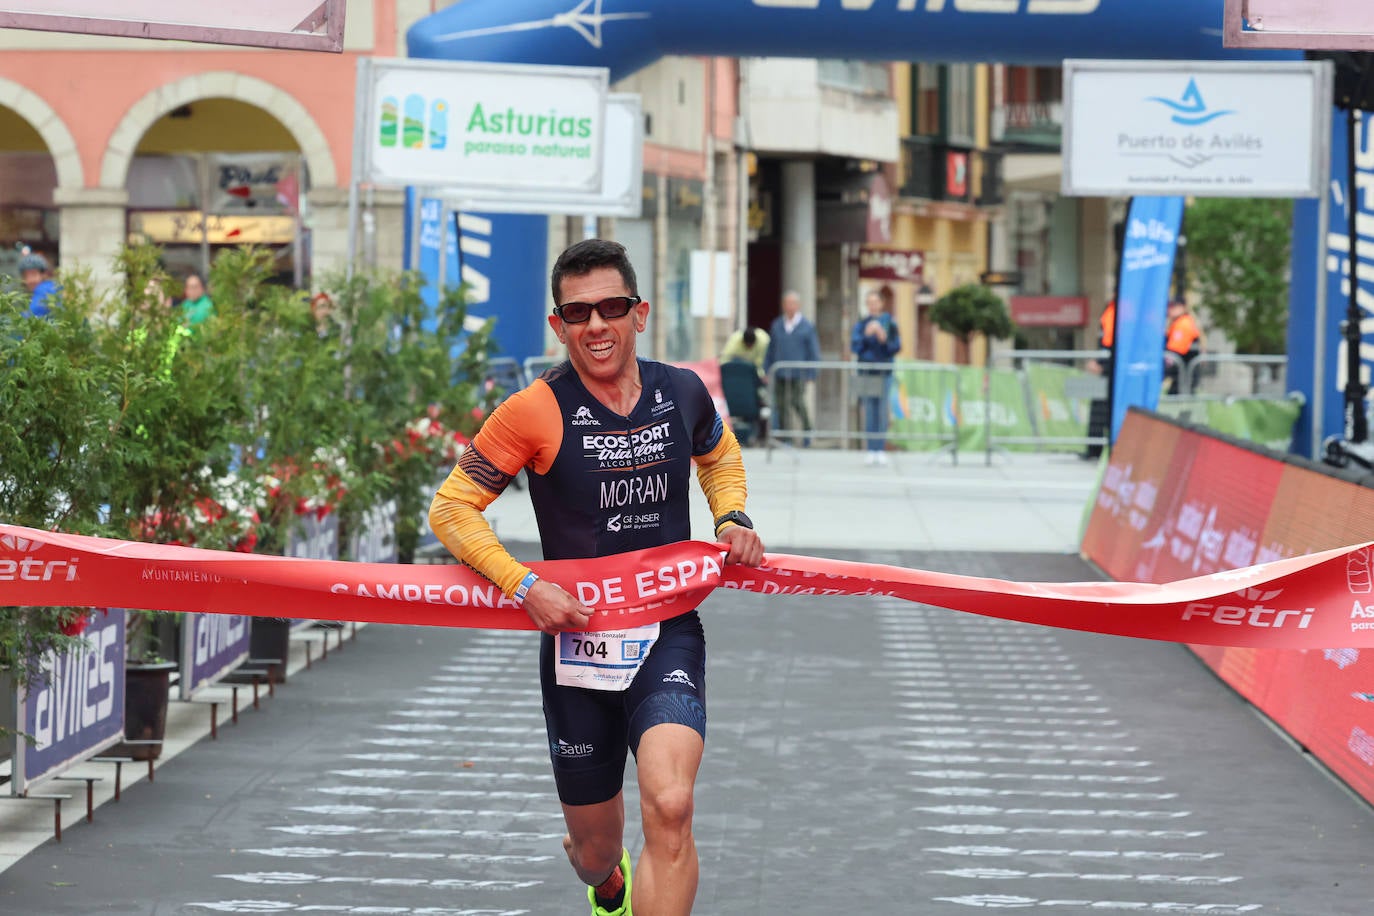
{"points": [[1299, 603]]}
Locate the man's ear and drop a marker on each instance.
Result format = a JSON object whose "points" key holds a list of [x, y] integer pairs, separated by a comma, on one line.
{"points": [[557, 324]]}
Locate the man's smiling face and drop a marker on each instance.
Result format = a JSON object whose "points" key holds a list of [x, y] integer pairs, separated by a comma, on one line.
{"points": [[600, 350]]}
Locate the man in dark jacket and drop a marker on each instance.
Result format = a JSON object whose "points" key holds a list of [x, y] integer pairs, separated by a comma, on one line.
{"points": [[792, 339]]}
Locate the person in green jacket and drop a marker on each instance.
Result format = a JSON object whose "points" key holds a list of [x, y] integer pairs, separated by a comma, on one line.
{"points": [[197, 307]]}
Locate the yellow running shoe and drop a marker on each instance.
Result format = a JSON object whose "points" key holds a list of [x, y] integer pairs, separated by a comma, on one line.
{"points": [[624, 908]]}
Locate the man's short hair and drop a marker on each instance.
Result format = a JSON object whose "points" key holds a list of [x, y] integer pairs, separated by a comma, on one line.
{"points": [[750, 336], [588, 255]]}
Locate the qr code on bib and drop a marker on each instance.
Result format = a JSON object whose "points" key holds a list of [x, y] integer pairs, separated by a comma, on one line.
{"points": [[632, 650]]}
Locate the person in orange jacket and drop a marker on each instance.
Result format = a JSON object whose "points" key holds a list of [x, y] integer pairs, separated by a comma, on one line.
{"points": [[1184, 341]]}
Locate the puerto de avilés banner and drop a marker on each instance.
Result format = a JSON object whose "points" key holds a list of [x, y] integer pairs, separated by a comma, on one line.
{"points": [[1300, 603]]}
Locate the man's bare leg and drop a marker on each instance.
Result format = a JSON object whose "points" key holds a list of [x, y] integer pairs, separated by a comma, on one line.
{"points": [[665, 881], [596, 838]]}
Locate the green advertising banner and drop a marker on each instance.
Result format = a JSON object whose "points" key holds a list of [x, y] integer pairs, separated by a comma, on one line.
{"points": [[1264, 421], [1057, 413], [924, 404], [1000, 411]]}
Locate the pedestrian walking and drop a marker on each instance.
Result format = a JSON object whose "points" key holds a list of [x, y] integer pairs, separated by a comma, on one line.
{"points": [[660, 420]]}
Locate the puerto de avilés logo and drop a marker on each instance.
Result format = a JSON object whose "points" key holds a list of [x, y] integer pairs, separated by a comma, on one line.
{"points": [[1191, 110]]}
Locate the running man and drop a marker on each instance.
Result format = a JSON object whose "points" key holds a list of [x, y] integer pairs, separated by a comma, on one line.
{"points": [[608, 441]]}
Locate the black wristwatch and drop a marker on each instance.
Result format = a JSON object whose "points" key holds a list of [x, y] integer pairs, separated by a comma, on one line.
{"points": [[736, 516]]}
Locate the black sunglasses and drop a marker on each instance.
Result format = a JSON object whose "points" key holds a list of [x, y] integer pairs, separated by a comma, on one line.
{"points": [[609, 309]]}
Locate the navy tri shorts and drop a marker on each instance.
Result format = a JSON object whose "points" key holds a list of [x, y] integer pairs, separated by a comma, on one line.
{"points": [[590, 730]]}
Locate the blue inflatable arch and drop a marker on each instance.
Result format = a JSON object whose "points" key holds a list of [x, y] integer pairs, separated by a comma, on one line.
{"points": [[625, 35]]}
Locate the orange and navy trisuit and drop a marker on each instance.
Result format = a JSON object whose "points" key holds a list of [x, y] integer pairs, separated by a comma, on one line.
{"points": [[601, 483]]}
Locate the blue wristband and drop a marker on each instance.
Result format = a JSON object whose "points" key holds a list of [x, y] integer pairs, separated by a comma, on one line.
{"points": [[524, 587]]}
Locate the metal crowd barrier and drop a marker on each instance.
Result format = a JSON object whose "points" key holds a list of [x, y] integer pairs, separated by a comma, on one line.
{"points": [[1213, 375], [1089, 387], [832, 401]]}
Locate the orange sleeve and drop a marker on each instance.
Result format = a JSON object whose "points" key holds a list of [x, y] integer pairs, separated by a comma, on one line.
{"points": [[525, 431], [721, 474]]}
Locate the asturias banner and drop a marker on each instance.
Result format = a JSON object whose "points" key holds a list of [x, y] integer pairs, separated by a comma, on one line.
{"points": [[1142, 300]]}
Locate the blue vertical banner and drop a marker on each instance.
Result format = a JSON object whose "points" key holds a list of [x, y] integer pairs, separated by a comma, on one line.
{"points": [[503, 259], [1142, 302], [506, 267], [1315, 369], [434, 244]]}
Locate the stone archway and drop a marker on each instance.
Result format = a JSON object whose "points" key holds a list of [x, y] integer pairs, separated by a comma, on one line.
{"points": [[54, 131], [294, 116]]}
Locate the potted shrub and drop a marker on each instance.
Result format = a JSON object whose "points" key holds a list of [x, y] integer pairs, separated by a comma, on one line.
{"points": [[56, 411]]}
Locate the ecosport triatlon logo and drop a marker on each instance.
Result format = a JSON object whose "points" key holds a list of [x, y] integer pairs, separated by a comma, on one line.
{"points": [[1191, 110]]}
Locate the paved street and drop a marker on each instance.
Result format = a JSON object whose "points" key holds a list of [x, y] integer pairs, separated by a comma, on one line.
{"points": [[864, 755]]}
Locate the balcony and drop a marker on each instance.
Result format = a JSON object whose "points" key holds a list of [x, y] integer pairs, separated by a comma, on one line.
{"points": [[945, 172], [808, 107], [1034, 125]]}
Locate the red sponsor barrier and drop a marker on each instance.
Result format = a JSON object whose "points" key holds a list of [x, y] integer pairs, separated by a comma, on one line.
{"points": [[1294, 603], [1179, 501]]}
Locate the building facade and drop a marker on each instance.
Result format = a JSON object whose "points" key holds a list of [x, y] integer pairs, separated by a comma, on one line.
{"points": [[760, 175]]}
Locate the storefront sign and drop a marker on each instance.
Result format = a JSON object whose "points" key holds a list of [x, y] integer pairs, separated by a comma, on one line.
{"points": [[79, 711], [879, 228], [1049, 311], [956, 175], [186, 227], [212, 645], [891, 264], [1191, 127], [481, 127], [686, 197], [258, 183]]}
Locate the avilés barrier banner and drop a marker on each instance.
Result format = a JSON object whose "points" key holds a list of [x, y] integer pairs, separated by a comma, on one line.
{"points": [[80, 710], [1178, 501], [212, 645], [1304, 602]]}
